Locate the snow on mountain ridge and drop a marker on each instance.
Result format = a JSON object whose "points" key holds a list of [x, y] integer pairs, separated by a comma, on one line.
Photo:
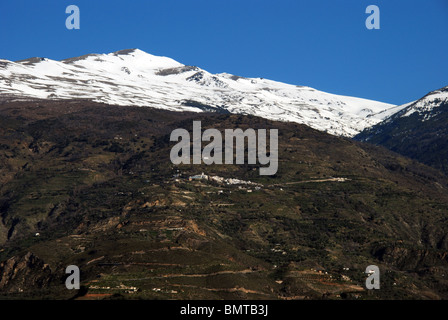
{"points": [[134, 77], [427, 104]]}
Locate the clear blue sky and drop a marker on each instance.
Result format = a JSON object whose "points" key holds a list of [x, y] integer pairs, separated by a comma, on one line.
{"points": [[319, 43]]}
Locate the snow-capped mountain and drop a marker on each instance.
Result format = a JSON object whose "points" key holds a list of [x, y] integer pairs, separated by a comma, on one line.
{"points": [[419, 130], [427, 106], [134, 77], [421, 110]]}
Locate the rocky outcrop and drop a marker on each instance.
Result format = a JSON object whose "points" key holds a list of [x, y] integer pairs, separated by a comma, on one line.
{"points": [[24, 273]]}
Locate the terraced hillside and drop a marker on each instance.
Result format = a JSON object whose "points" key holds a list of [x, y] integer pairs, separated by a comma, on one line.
{"points": [[92, 185]]}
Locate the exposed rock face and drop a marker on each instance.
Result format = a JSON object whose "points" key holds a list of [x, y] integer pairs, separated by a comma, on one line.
{"points": [[21, 273]]}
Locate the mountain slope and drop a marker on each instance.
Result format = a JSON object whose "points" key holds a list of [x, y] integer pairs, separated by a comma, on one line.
{"points": [[419, 130], [133, 77], [92, 185]]}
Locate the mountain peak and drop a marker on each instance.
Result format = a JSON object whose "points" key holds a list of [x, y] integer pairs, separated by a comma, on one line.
{"points": [[31, 61], [136, 53], [127, 51], [135, 78], [418, 131], [426, 105]]}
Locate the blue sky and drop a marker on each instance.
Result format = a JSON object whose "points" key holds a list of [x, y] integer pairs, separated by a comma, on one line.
{"points": [[319, 43]]}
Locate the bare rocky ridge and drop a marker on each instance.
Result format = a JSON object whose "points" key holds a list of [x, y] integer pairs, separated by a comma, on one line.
{"points": [[24, 273]]}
